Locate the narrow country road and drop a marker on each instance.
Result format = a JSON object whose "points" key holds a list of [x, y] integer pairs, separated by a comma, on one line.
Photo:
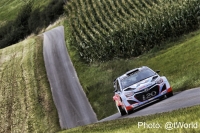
{"points": [[70, 100]]}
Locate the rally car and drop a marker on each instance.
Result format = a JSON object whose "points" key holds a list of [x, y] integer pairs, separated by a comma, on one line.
{"points": [[138, 87]]}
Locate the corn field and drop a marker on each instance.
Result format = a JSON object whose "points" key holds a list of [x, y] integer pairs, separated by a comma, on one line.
{"points": [[107, 29]]}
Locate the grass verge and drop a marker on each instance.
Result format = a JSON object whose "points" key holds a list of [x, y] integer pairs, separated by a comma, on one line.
{"points": [[185, 116], [25, 97]]}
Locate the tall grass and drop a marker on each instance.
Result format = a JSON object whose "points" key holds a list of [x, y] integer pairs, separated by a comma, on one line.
{"points": [[103, 30]]}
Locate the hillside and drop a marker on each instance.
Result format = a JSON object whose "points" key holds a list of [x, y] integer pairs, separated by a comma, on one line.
{"points": [[25, 97], [105, 39]]}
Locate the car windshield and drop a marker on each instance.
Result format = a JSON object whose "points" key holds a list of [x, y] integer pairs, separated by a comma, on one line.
{"points": [[136, 77]]}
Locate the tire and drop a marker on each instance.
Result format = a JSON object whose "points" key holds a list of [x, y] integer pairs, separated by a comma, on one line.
{"points": [[128, 111], [121, 110], [169, 94]]}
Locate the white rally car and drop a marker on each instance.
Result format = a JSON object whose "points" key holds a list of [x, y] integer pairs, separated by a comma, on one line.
{"points": [[138, 87]]}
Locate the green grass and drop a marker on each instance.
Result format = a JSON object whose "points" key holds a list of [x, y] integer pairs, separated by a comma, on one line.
{"points": [[25, 97], [179, 61], [130, 125]]}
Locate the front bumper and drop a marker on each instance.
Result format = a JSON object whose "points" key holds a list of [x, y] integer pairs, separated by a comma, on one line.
{"points": [[146, 95]]}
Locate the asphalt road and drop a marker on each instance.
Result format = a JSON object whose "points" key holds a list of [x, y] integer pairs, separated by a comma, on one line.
{"points": [[179, 100], [70, 100]]}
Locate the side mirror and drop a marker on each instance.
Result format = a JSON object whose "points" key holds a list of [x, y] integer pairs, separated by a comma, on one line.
{"points": [[157, 71]]}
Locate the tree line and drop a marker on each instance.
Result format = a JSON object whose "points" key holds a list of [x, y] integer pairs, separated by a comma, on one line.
{"points": [[29, 20]]}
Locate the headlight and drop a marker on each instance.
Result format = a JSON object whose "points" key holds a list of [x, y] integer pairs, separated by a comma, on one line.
{"points": [[159, 81], [129, 94]]}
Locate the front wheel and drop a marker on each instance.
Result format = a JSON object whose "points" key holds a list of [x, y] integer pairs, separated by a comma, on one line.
{"points": [[128, 111], [169, 94], [121, 110]]}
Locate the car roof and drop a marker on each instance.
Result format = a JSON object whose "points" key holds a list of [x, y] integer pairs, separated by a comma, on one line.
{"points": [[128, 73]]}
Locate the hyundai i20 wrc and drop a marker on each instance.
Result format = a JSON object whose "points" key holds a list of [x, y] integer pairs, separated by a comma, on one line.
{"points": [[138, 87]]}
